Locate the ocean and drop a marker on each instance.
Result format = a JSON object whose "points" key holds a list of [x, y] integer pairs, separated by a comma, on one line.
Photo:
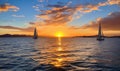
{"points": [[59, 54]]}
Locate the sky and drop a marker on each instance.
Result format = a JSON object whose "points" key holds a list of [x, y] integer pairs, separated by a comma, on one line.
{"points": [[66, 17]]}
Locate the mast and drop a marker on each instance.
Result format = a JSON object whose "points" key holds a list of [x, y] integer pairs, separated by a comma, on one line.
{"points": [[99, 33], [35, 34]]}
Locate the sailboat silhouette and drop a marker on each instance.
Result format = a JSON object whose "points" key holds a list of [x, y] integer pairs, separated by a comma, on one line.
{"points": [[35, 34], [100, 33]]}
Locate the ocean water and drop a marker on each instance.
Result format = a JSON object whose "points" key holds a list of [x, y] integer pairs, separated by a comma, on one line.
{"points": [[59, 54]]}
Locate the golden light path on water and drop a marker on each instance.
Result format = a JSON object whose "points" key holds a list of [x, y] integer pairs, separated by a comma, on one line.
{"points": [[50, 53], [56, 52], [62, 52], [59, 59]]}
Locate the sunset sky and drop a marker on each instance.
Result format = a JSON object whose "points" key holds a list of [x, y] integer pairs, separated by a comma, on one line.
{"points": [[65, 17]]}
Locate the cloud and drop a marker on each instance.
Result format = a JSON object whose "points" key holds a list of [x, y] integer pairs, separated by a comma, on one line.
{"points": [[56, 5], [10, 27], [109, 23], [112, 2], [40, 0], [37, 7], [6, 7], [60, 14], [31, 23], [18, 16], [28, 29], [42, 16]]}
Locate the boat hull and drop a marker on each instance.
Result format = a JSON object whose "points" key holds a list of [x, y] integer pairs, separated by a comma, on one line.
{"points": [[34, 37], [100, 39]]}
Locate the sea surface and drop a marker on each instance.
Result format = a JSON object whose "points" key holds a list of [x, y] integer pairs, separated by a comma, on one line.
{"points": [[59, 54]]}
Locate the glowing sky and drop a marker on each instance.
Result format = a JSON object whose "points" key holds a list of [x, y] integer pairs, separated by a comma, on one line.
{"points": [[69, 17]]}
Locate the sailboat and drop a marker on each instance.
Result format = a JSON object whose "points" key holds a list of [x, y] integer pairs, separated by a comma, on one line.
{"points": [[100, 33], [35, 34]]}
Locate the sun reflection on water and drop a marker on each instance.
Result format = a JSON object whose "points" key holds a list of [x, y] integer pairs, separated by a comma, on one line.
{"points": [[59, 49], [59, 53], [59, 60]]}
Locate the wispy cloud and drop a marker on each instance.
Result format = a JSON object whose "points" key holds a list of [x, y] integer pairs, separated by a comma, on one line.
{"points": [[6, 7], [19, 16], [28, 29], [37, 7]]}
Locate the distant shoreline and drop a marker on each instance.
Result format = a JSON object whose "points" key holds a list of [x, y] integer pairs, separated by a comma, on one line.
{"points": [[9, 35]]}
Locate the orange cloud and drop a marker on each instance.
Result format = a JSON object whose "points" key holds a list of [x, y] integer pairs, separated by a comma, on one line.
{"points": [[60, 14], [6, 7], [111, 2]]}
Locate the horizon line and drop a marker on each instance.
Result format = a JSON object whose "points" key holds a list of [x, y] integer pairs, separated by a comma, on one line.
{"points": [[24, 35]]}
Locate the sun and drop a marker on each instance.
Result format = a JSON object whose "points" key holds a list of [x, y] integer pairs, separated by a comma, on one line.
{"points": [[59, 34]]}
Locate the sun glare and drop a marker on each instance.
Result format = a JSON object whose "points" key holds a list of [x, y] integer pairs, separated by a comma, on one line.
{"points": [[59, 34]]}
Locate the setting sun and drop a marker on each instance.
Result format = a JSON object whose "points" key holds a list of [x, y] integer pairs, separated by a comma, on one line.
{"points": [[59, 34]]}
